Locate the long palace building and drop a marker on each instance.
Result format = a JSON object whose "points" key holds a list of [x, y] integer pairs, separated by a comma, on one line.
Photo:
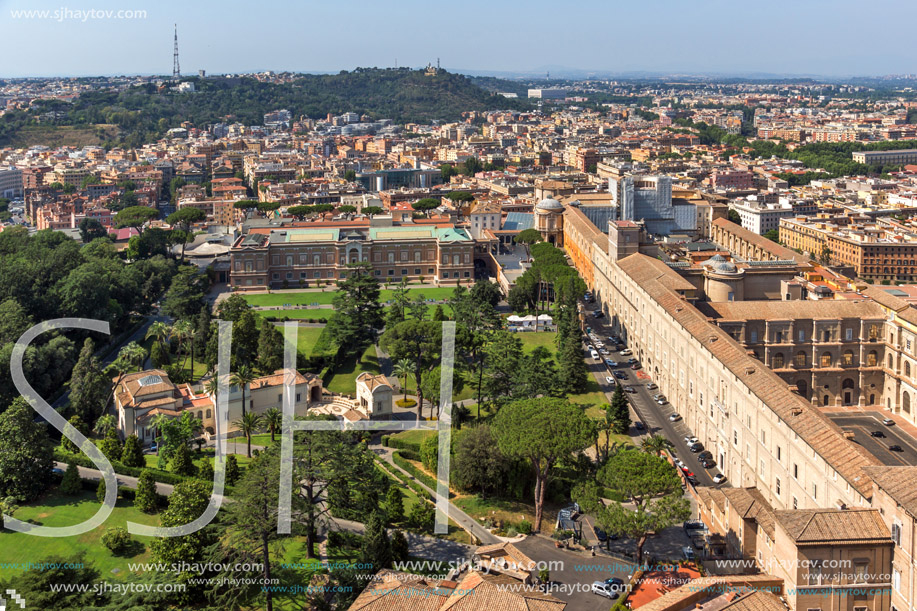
{"points": [[278, 255]]}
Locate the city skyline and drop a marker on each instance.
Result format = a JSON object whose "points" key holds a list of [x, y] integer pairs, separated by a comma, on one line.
{"points": [[509, 42]]}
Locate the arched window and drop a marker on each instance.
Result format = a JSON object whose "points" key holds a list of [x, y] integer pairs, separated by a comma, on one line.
{"points": [[826, 360], [209, 413], [848, 357], [907, 368], [800, 359], [778, 361], [825, 400]]}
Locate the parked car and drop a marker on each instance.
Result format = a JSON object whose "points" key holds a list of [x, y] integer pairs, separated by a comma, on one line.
{"points": [[680, 463], [631, 390], [691, 479], [688, 472], [651, 386], [613, 339], [604, 351], [631, 361], [705, 455], [598, 314], [707, 463], [688, 552], [696, 447], [608, 379], [689, 440], [594, 354], [603, 589], [610, 363], [719, 478], [600, 534], [895, 448], [877, 434], [626, 352], [635, 366], [674, 418], [621, 375], [639, 425], [888, 422], [694, 525]]}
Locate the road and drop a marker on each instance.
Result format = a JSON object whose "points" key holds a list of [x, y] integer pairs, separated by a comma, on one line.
{"points": [[653, 415], [863, 423]]}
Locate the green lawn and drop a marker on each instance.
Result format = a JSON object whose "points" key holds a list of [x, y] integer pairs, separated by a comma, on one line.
{"points": [[593, 398], [307, 338], [344, 378], [462, 386], [533, 339], [327, 296], [59, 510], [319, 314], [152, 460], [414, 436], [200, 368]]}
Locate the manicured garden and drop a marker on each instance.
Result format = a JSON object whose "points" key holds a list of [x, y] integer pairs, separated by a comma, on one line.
{"points": [[326, 296], [344, 378]]}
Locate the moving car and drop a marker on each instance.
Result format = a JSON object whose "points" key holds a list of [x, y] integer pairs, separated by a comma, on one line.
{"points": [[651, 386], [610, 363], [626, 352], [895, 448], [877, 434], [719, 478], [605, 589], [888, 422], [621, 375], [631, 390], [674, 418]]}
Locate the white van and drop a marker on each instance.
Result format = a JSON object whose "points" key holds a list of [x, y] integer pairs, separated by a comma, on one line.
{"points": [[594, 355]]}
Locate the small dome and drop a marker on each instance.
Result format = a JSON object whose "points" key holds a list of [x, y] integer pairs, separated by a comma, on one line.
{"points": [[717, 258], [724, 267], [550, 204]]}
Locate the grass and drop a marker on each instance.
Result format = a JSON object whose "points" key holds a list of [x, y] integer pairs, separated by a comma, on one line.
{"points": [[414, 436], [65, 135], [200, 368], [534, 339], [306, 339], [326, 297], [344, 379], [152, 460], [55, 509], [320, 314], [506, 512]]}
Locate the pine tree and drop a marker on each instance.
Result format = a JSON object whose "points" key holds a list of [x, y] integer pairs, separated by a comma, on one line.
{"points": [[232, 469], [71, 485], [394, 505], [100, 491], [132, 453], [400, 551], [572, 368], [88, 385], [181, 463], [146, 499], [619, 412], [65, 444], [270, 348], [377, 549]]}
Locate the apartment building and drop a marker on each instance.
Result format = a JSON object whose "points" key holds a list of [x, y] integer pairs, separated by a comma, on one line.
{"points": [[895, 497], [10, 182], [900, 157], [876, 252], [266, 257]]}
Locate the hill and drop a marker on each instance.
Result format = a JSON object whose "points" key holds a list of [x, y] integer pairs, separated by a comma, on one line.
{"points": [[403, 95]]}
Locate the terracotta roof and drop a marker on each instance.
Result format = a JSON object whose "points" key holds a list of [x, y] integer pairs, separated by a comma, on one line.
{"points": [[393, 591], [792, 310], [902, 308], [373, 381], [898, 483], [477, 591], [816, 429], [758, 600], [276, 379], [834, 526], [780, 252], [751, 505], [704, 587]]}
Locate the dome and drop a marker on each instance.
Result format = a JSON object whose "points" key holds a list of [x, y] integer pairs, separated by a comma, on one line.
{"points": [[717, 258], [550, 204], [724, 267]]}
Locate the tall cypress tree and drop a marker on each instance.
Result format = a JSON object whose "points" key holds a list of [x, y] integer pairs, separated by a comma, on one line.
{"points": [[88, 385]]}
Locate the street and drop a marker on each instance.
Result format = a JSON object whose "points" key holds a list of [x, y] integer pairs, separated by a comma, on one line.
{"points": [[862, 424]]}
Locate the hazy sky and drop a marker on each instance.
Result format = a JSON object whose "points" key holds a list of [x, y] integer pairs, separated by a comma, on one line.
{"points": [[828, 37]]}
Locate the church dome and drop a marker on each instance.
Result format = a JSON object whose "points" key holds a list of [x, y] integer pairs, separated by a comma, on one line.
{"points": [[550, 204]]}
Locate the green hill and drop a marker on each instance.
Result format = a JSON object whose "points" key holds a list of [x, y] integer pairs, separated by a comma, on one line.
{"points": [[403, 95]]}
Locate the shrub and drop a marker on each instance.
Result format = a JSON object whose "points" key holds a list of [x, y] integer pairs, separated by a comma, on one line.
{"points": [[116, 539], [71, 484], [132, 453], [524, 527]]}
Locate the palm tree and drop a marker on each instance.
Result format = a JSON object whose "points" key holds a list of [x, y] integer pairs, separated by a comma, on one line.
{"points": [[401, 370], [158, 422], [655, 444], [273, 419], [242, 379], [182, 330], [249, 424], [160, 332], [103, 425]]}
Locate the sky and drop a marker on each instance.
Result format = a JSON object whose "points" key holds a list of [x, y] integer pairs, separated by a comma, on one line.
{"points": [[786, 37]]}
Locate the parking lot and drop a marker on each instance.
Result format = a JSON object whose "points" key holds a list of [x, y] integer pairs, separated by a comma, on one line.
{"points": [[861, 424]]}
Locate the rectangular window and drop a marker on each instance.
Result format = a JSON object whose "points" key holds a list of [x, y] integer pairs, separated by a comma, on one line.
{"points": [[896, 533], [777, 485], [795, 503], [802, 335], [795, 471], [849, 334]]}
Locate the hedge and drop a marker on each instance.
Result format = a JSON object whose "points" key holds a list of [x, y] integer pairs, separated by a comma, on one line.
{"points": [[163, 477], [398, 475], [393, 442], [417, 473]]}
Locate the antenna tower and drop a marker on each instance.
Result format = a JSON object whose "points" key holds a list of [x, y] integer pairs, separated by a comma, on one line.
{"points": [[176, 71]]}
